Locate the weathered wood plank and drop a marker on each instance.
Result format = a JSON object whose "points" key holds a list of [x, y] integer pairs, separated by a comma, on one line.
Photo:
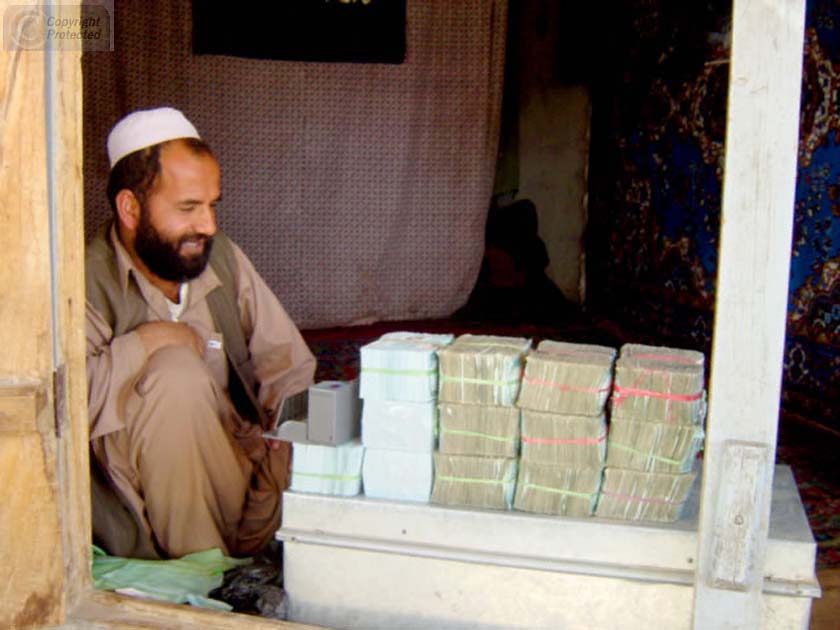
{"points": [[21, 405], [750, 311], [25, 306], [65, 87], [121, 611], [736, 530], [32, 578]]}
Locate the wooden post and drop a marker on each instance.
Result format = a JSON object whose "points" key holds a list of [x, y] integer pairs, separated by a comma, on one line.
{"points": [[750, 311], [32, 582], [64, 90], [44, 493]]}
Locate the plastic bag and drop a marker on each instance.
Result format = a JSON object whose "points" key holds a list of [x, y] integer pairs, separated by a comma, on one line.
{"points": [[181, 580]]}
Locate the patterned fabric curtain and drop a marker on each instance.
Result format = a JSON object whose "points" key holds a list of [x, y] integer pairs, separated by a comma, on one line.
{"points": [[360, 191]]}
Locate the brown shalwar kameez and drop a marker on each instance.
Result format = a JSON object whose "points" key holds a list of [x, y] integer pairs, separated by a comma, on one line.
{"points": [[165, 429]]}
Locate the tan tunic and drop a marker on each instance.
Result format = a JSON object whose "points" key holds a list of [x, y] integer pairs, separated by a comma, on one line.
{"points": [[130, 425]]}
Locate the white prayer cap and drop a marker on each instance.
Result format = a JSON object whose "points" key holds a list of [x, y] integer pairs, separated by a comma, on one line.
{"points": [[145, 128]]}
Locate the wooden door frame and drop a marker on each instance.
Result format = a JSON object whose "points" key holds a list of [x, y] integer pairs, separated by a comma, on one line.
{"points": [[43, 385]]}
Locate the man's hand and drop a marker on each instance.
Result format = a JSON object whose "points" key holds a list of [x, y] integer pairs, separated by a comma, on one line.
{"points": [[157, 335]]}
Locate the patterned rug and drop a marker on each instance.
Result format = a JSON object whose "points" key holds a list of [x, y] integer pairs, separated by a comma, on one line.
{"points": [[808, 451], [811, 453]]}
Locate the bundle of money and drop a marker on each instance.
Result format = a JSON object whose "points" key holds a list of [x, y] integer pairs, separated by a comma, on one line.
{"points": [[659, 385], [478, 430], [401, 366], [643, 496], [560, 490], [549, 438], [481, 370], [397, 475], [469, 481], [653, 446], [335, 470], [567, 378], [399, 426]]}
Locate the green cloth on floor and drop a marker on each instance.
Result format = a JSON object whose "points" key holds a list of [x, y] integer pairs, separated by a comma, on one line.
{"points": [[181, 580]]}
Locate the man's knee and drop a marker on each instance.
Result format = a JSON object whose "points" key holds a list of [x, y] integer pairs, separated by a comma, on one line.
{"points": [[177, 395], [175, 371]]}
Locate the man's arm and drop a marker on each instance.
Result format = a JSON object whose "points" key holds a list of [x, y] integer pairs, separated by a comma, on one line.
{"points": [[283, 364], [113, 363]]}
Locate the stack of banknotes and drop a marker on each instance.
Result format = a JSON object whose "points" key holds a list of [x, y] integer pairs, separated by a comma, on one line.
{"points": [[399, 382], [565, 388], [476, 462], [658, 407]]}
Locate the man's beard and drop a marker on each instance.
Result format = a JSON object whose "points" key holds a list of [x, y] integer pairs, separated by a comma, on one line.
{"points": [[163, 258]]}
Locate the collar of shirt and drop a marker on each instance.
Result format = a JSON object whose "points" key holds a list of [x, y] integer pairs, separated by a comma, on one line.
{"points": [[199, 287]]}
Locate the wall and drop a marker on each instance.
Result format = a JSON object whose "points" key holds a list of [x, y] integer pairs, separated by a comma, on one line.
{"points": [[553, 138], [554, 130]]}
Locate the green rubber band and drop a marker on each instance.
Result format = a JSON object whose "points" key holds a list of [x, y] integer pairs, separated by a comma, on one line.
{"points": [[335, 477], [486, 436], [667, 460], [580, 495], [477, 381], [399, 372], [472, 480]]}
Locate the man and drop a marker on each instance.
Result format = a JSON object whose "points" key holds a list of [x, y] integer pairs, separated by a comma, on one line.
{"points": [[188, 354]]}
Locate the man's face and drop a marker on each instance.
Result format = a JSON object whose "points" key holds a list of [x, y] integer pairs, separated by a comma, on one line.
{"points": [[178, 221]]}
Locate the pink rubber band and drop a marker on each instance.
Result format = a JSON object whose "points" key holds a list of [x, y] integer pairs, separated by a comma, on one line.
{"points": [[553, 441], [626, 392], [571, 388]]}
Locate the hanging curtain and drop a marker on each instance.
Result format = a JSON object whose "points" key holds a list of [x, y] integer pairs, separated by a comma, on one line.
{"points": [[359, 191]]}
